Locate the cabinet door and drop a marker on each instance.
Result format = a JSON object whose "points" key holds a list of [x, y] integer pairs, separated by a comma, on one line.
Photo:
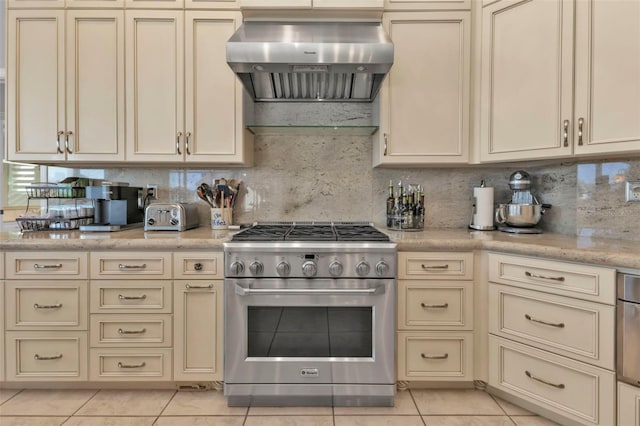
{"points": [[36, 4], [628, 405], [2, 330], [607, 117], [211, 4], [35, 85], [424, 101], [349, 4], [102, 4], [155, 81], [154, 4], [213, 95], [198, 324], [526, 88], [95, 85]]}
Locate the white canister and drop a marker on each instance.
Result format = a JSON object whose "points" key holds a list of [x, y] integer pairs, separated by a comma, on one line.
{"points": [[221, 218]]}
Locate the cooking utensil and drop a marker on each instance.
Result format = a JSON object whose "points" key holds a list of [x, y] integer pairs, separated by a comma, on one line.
{"points": [[203, 196]]}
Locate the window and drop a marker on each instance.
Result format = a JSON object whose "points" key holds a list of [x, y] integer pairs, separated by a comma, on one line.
{"points": [[16, 176]]}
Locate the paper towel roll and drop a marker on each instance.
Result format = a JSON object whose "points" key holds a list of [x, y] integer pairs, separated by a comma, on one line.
{"points": [[483, 216]]}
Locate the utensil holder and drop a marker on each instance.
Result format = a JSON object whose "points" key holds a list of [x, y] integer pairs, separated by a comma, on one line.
{"points": [[221, 218]]}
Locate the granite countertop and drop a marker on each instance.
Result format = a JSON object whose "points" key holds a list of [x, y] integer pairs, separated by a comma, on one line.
{"points": [[618, 253]]}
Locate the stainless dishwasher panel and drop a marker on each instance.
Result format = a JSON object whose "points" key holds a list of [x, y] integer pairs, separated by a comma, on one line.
{"points": [[628, 329]]}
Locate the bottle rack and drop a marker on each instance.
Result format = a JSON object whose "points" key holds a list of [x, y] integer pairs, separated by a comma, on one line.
{"points": [[64, 217]]}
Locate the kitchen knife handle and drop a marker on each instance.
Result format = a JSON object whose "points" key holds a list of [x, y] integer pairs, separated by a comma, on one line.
{"points": [[178, 136], [186, 142], [580, 124], [565, 133]]}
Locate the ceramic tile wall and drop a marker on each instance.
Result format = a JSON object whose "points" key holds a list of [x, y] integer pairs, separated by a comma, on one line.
{"points": [[331, 178]]}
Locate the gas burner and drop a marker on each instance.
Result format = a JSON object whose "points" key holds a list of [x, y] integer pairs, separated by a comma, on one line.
{"points": [[311, 231]]}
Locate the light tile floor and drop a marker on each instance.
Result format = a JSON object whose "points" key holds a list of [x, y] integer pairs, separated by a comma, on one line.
{"points": [[169, 408]]}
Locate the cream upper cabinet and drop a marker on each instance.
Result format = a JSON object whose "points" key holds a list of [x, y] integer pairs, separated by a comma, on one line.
{"points": [[214, 130], [101, 4], [536, 102], [183, 102], [607, 85], [211, 4], [279, 4], [155, 84], [154, 4], [38, 4], [527, 65], [424, 101], [87, 124]]}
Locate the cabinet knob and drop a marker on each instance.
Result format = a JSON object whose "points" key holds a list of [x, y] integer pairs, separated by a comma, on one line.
{"points": [[198, 266]]}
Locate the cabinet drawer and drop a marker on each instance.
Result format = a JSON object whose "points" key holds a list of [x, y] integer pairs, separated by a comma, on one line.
{"points": [[435, 304], [50, 265], [435, 356], [130, 265], [198, 265], [581, 392], [130, 296], [46, 356], [136, 330], [567, 279], [570, 327], [435, 265], [46, 305], [130, 364]]}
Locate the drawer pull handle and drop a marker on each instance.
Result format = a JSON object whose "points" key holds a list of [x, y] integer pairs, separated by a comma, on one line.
{"points": [[558, 325], [121, 331], [39, 266], [542, 277], [56, 306], [191, 287], [46, 358], [123, 266], [445, 356], [142, 364], [434, 266], [537, 379], [425, 306], [122, 297], [198, 266]]}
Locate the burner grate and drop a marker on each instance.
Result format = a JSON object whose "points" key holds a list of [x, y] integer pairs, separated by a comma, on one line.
{"points": [[311, 231]]}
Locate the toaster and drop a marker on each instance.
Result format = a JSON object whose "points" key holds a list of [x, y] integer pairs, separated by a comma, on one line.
{"points": [[171, 217]]}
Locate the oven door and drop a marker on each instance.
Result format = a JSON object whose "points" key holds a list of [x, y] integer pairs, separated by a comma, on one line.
{"points": [[309, 331]]}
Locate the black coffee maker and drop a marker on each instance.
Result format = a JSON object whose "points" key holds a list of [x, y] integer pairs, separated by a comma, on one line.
{"points": [[117, 206]]}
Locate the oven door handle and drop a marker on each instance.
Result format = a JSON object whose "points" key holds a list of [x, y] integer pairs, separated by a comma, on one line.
{"points": [[244, 291]]}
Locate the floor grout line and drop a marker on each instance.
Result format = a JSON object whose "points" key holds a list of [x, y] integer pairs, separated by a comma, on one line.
{"points": [[167, 404]]}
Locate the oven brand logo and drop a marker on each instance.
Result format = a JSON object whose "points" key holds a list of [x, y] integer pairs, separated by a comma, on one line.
{"points": [[309, 372]]}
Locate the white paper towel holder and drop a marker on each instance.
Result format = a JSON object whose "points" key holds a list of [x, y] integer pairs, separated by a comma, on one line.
{"points": [[474, 212]]}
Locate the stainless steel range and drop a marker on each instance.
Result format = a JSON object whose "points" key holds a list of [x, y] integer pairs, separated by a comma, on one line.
{"points": [[310, 315]]}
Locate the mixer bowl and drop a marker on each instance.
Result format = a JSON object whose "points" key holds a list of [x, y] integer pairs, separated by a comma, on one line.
{"points": [[519, 215]]}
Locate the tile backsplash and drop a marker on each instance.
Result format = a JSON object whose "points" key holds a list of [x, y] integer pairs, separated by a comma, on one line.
{"points": [[331, 178]]}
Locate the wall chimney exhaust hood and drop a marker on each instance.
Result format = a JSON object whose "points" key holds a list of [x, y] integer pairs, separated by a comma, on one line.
{"points": [[311, 61]]}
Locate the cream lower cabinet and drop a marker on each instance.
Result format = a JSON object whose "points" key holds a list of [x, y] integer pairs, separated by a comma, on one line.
{"points": [[435, 317], [131, 325], [628, 405], [536, 102], [312, 4], [65, 86], [424, 101], [552, 336], [180, 109], [2, 350], [45, 316], [198, 316]]}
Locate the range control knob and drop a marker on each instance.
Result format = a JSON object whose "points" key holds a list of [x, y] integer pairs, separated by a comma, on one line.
{"points": [[335, 268], [363, 268], [256, 267], [309, 268], [283, 269], [236, 267], [382, 268], [174, 221], [151, 221]]}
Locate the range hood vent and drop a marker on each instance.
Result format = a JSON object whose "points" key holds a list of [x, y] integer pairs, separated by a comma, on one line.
{"points": [[306, 62]]}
